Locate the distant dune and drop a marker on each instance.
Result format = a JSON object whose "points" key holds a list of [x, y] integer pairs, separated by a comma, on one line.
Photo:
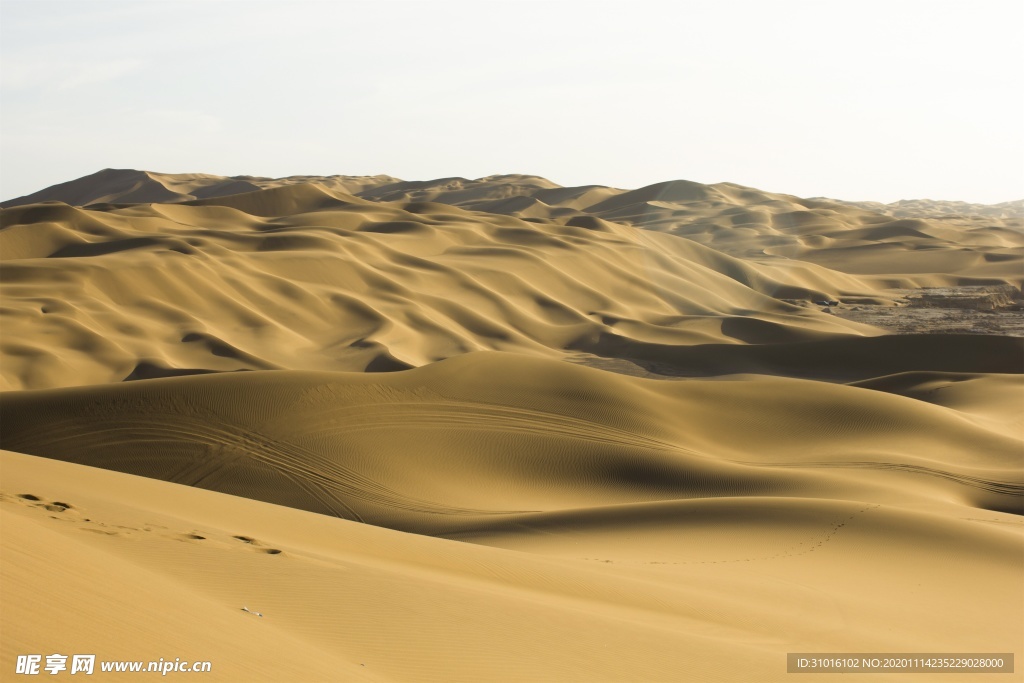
{"points": [[305, 277], [930, 208], [913, 243], [395, 419]]}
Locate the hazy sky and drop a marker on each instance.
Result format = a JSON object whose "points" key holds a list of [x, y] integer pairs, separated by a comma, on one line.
{"points": [[842, 98]]}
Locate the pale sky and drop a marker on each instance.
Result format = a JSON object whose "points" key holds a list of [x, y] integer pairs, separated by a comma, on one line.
{"points": [[858, 100]]}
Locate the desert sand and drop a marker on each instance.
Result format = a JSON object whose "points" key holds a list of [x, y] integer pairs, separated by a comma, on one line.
{"points": [[499, 429]]}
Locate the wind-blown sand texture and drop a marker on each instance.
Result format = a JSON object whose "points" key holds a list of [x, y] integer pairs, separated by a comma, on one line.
{"points": [[362, 406]]}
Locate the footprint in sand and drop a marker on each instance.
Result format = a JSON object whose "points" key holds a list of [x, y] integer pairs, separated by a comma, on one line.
{"points": [[36, 501], [253, 542]]}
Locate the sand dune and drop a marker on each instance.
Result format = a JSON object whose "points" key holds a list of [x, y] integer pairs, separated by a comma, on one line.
{"points": [[129, 186], [305, 277], [837, 359], [344, 601], [939, 243], [398, 419], [615, 509], [930, 208], [491, 435]]}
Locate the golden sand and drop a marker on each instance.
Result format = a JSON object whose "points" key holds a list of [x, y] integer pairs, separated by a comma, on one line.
{"points": [[362, 408]]}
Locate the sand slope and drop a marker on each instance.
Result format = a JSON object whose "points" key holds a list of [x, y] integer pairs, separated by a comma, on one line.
{"points": [[489, 436], [129, 186], [305, 277], [949, 210], [713, 590], [380, 412], [913, 243]]}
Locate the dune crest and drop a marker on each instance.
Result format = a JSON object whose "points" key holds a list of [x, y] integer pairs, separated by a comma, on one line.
{"points": [[301, 276], [361, 428], [912, 243], [500, 436]]}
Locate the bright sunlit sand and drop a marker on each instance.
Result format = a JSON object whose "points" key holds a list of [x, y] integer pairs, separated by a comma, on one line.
{"points": [[646, 342], [345, 428]]}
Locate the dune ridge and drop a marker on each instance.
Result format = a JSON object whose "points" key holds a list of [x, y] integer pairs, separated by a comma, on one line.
{"points": [[564, 499], [500, 429], [304, 277], [913, 243], [528, 435], [382, 605]]}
